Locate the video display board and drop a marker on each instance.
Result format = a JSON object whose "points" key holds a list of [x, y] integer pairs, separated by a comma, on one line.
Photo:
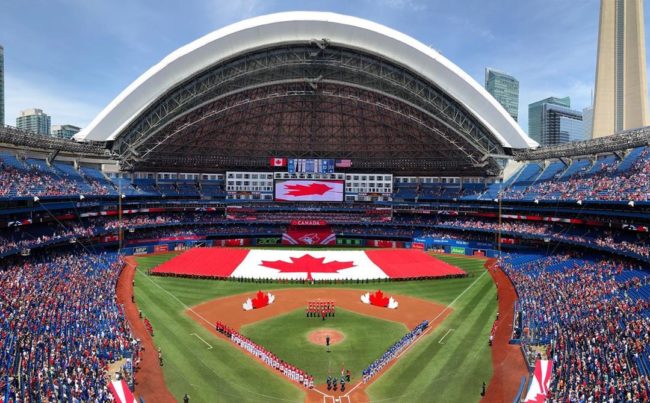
{"points": [[309, 190]]}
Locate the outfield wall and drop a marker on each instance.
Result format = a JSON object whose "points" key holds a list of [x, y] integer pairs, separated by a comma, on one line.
{"points": [[456, 247]]}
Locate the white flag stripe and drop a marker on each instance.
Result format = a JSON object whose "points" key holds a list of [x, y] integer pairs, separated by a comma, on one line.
{"points": [[363, 268]]}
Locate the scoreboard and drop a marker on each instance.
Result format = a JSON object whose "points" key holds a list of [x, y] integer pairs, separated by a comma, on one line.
{"points": [[310, 166]]}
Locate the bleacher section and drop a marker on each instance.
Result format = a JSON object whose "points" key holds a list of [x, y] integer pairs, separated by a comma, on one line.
{"points": [[606, 179], [593, 315], [146, 187], [98, 181], [212, 189]]}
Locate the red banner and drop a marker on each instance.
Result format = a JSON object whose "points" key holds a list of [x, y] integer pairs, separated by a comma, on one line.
{"points": [[232, 242], [383, 243], [108, 238], [309, 236], [308, 223]]}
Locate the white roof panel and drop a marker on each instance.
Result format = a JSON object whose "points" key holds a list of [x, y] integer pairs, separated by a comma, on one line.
{"points": [[291, 27]]}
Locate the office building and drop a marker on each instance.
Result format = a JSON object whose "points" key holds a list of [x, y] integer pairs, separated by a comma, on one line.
{"points": [[505, 89], [64, 131], [621, 100], [587, 122], [560, 125], [35, 121], [535, 111]]}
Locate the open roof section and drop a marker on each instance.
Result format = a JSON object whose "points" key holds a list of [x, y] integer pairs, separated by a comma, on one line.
{"points": [[307, 84]]}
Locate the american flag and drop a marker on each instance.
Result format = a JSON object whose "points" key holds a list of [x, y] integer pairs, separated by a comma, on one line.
{"points": [[343, 163]]}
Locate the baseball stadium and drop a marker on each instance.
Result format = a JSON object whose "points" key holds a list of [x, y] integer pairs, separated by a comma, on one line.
{"points": [[313, 207]]}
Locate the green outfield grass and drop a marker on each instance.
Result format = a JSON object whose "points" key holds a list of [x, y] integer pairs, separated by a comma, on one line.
{"points": [[366, 339], [449, 371]]}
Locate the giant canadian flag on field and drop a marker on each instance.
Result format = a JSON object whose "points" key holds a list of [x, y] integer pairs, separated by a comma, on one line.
{"points": [[307, 264], [309, 190], [538, 389], [292, 264]]}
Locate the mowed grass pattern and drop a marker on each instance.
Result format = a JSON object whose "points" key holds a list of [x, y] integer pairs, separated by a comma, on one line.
{"points": [[452, 371], [366, 339], [221, 374]]}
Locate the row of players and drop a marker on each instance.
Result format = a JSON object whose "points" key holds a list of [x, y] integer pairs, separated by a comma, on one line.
{"points": [[290, 371]]}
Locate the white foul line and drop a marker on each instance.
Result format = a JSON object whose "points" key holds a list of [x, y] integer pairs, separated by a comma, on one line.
{"points": [[208, 322], [445, 335], [428, 329], [201, 338]]}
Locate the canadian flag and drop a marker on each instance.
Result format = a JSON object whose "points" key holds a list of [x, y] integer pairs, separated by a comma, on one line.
{"points": [[121, 392], [538, 389], [278, 162]]}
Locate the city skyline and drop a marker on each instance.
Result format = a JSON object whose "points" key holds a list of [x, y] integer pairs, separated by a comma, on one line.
{"points": [[83, 73], [505, 89]]}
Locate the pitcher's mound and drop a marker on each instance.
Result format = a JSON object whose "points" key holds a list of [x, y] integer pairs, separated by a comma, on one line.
{"points": [[318, 336]]}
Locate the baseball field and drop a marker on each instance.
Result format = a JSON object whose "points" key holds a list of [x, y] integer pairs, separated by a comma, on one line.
{"points": [[450, 363]]}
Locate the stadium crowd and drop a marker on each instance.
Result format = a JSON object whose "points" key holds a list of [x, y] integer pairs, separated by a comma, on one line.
{"points": [[598, 332], [33, 183], [606, 184], [60, 327], [638, 245]]}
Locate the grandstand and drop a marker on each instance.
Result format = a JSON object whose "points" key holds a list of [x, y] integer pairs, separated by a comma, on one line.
{"points": [[416, 156]]}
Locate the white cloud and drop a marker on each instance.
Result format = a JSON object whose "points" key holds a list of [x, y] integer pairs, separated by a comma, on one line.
{"points": [[225, 12], [410, 5], [63, 106], [470, 29]]}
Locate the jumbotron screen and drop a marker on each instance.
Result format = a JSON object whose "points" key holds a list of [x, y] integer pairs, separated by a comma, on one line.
{"points": [[309, 190]]}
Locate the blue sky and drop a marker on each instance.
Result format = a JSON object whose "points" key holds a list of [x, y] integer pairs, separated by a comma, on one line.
{"points": [[72, 57]]}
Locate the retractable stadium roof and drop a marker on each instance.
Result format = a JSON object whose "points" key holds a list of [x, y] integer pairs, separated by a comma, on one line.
{"points": [[307, 85]]}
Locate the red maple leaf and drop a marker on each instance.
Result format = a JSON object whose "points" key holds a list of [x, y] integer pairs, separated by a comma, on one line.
{"points": [[378, 299], [260, 301], [307, 190], [307, 264]]}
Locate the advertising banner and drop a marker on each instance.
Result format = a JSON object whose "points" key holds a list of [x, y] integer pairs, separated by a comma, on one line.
{"points": [[457, 250]]}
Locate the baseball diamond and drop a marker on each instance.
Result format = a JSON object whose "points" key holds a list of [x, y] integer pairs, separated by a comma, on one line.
{"points": [[308, 206]]}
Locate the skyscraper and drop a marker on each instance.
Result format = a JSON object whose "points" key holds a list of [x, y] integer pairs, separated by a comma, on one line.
{"points": [[2, 86], [587, 122], [64, 131], [35, 121], [505, 89], [535, 111], [621, 83], [560, 124]]}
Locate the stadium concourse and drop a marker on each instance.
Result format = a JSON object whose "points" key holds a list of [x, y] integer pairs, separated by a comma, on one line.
{"points": [[416, 162]]}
